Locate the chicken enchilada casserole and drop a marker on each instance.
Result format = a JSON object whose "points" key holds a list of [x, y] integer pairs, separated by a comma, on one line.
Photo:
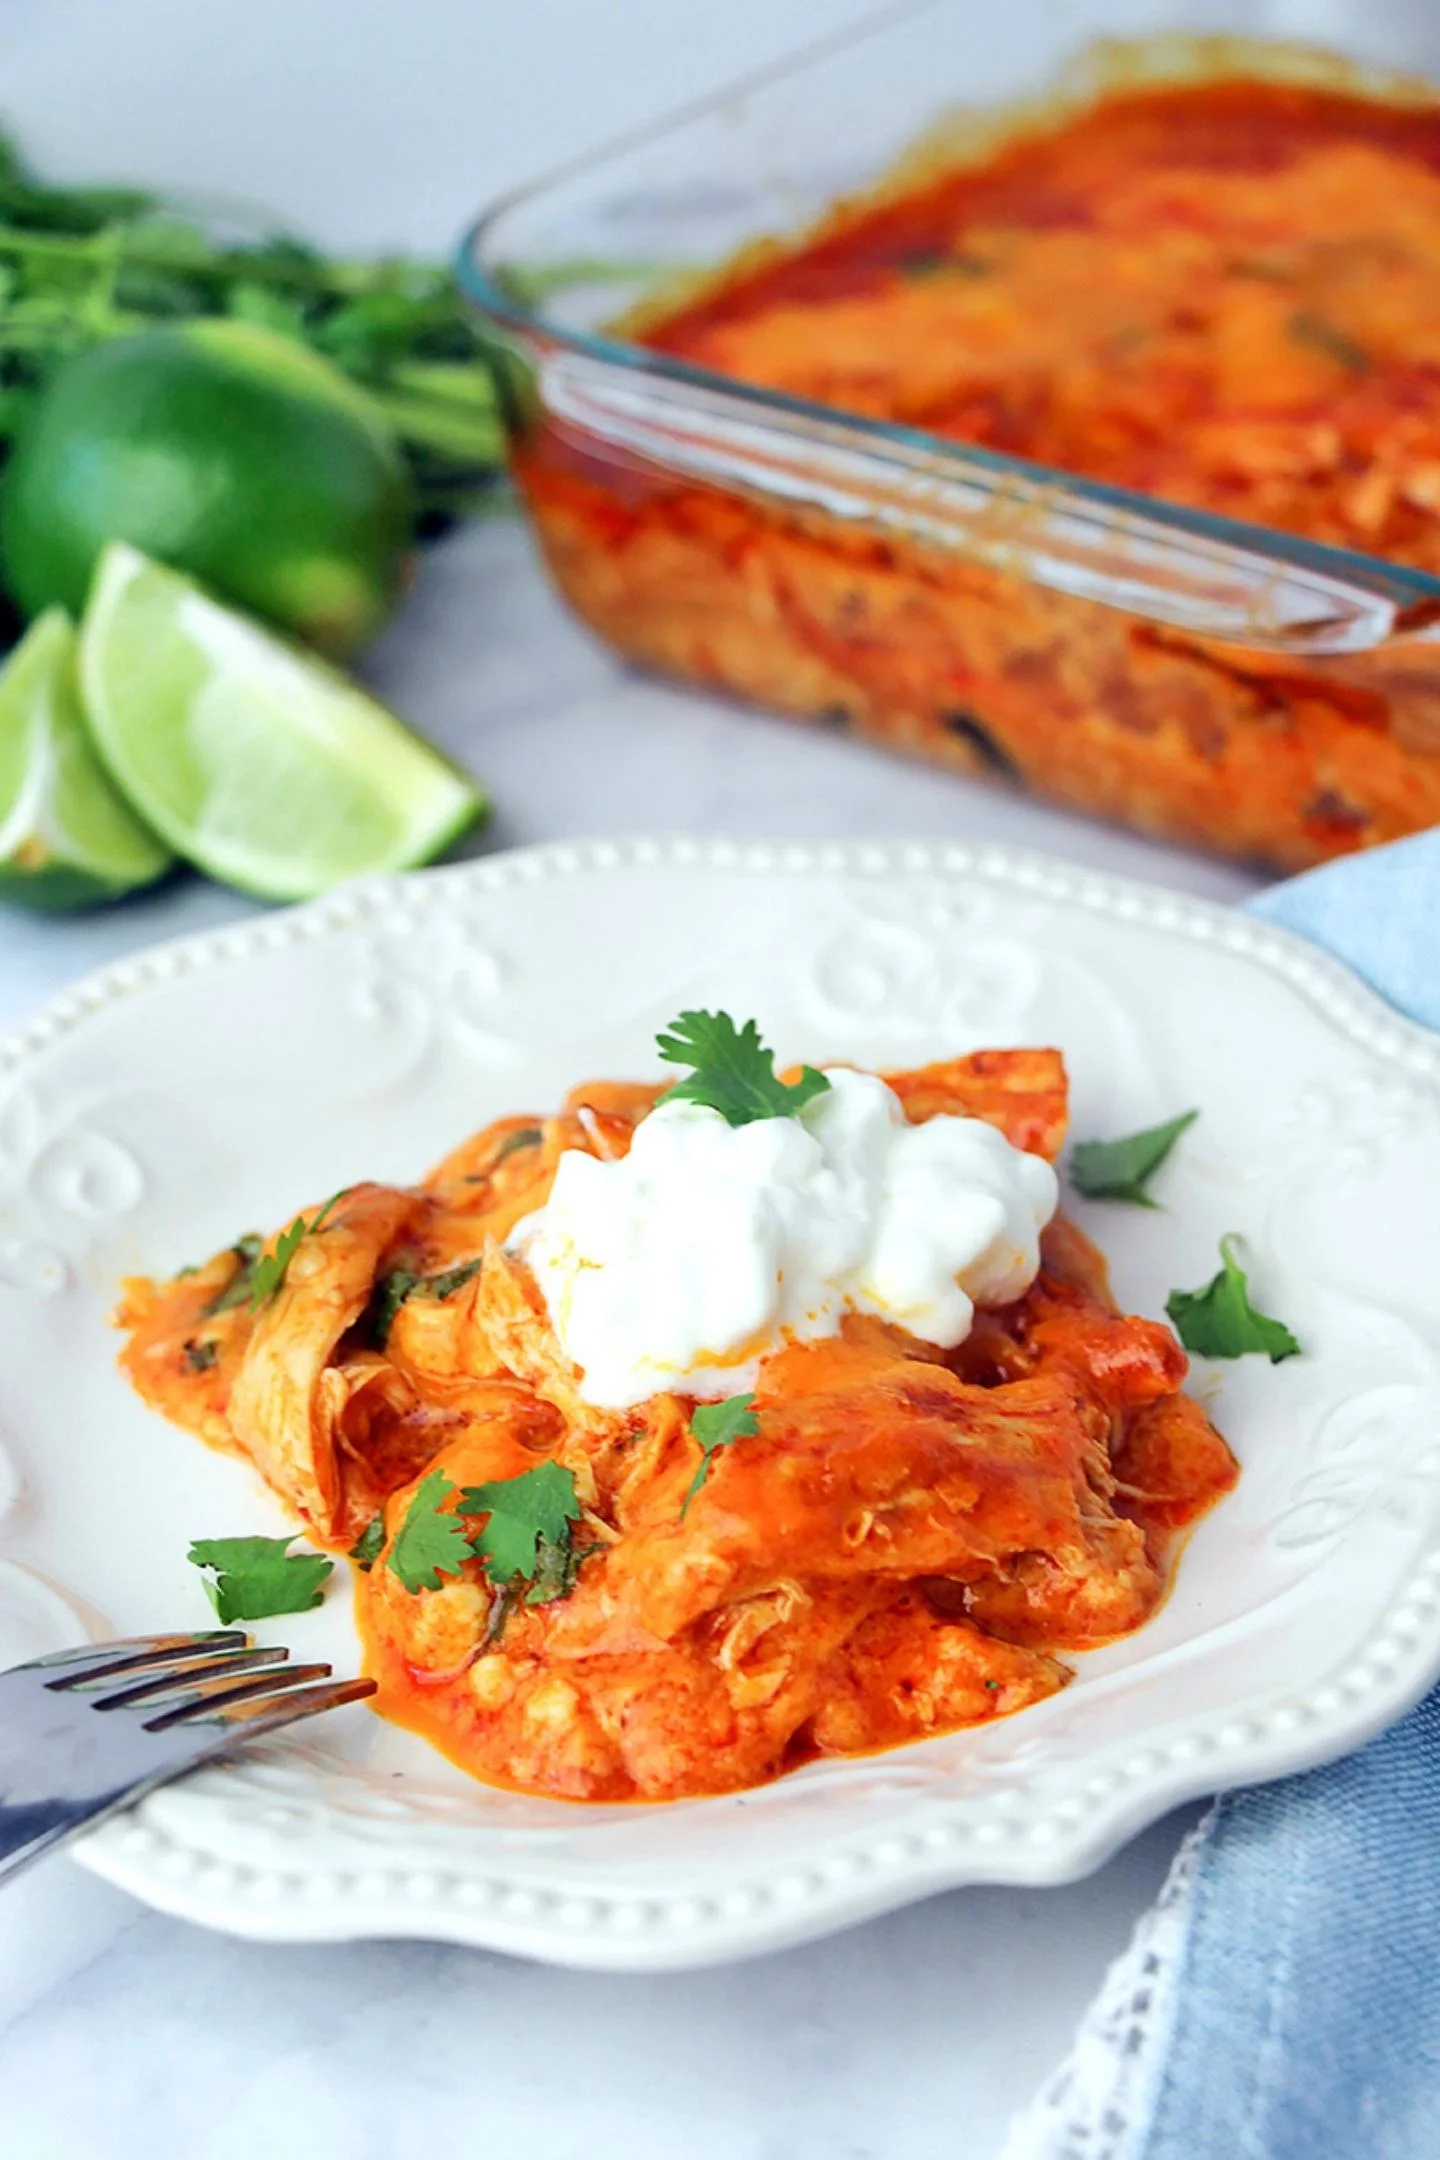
{"points": [[1216, 294], [691, 1433]]}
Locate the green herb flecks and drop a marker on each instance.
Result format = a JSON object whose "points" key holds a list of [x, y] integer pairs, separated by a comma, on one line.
{"points": [[715, 1426], [732, 1071], [269, 1272], [369, 1545], [528, 1136], [390, 1294], [1122, 1169], [253, 1578], [1326, 337], [236, 1291], [401, 1284], [200, 1354], [1219, 1320]]}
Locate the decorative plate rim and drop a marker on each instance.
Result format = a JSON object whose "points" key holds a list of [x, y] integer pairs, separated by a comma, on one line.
{"points": [[1056, 1839]]}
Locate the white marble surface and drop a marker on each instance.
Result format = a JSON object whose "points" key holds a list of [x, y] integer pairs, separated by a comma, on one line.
{"points": [[121, 2033]]}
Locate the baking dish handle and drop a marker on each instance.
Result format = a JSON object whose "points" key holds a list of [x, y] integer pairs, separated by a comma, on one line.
{"points": [[1072, 537]]}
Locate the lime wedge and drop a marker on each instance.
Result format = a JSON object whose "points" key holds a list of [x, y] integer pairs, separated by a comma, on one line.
{"points": [[257, 762], [67, 840]]}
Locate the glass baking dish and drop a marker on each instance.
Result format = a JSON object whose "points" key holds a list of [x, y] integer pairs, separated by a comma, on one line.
{"points": [[1206, 681]]}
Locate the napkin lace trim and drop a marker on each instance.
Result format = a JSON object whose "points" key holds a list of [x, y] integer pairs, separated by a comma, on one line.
{"points": [[1097, 2105]]}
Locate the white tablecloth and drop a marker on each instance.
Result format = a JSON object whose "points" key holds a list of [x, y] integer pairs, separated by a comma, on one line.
{"points": [[123, 2034]]}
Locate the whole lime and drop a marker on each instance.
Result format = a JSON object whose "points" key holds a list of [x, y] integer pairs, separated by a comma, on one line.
{"points": [[227, 450]]}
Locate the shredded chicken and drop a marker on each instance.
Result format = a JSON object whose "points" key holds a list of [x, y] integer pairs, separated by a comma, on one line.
{"points": [[902, 1547]]}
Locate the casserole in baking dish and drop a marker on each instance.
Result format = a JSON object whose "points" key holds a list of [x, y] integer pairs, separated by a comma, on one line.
{"points": [[1095, 445]]}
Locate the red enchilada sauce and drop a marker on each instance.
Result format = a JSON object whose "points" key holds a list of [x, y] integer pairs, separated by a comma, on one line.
{"points": [[1226, 295]]}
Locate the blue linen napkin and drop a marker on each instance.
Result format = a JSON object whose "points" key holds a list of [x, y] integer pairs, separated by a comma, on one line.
{"points": [[1306, 2018]]}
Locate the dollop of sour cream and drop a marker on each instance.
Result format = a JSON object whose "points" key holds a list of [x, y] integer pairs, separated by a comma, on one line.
{"points": [[680, 1265]]}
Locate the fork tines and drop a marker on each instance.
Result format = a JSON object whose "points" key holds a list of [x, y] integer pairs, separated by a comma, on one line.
{"points": [[218, 1673]]}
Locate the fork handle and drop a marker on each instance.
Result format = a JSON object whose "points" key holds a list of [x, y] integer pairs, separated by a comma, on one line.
{"points": [[28, 1831]]}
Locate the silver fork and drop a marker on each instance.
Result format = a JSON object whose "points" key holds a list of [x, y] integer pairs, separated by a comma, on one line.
{"points": [[87, 1731]]}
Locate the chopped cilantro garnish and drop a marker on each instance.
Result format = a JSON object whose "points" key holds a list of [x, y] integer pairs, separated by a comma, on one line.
{"points": [[1220, 1322], [557, 1564], [390, 1294], [271, 1268], [247, 1251], [200, 1355], [453, 1279], [253, 1578], [525, 1544], [393, 1290], [369, 1545], [528, 1136], [715, 1426], [526, 1513], [431, 1542], [1308, 328], [732, 1071], [1121, 1169]]}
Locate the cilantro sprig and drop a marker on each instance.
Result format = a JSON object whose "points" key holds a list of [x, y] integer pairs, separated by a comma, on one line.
{"points": [[525, 1544], [1219, 1320], [431, 1542], [236, 1291], [267, 1276], [253, 1578], [527, 1535], [732, 1071], [1122, 1169], [715, 1426]]}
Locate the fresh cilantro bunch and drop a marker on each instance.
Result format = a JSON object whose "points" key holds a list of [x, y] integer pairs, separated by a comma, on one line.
{"points": [[732, 1071], [79, 266]]}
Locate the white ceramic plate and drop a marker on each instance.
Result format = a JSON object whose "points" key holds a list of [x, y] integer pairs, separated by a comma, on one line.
{"points": [[214, 1085]]}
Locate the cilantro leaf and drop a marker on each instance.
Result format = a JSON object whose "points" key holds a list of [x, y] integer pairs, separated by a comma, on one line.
{"points": [[453, 1279], [527, 1136], [557, 1565], [525, 1513], [270, 1269], [200, 1355], [393, 1290], [431, 1542], [1219, 1321], [515, 1143], [370, 1544], [1121, 1169], [732, 1071], [718, 1425], [247, 1251], [252, 1578], [389, 1295]]}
